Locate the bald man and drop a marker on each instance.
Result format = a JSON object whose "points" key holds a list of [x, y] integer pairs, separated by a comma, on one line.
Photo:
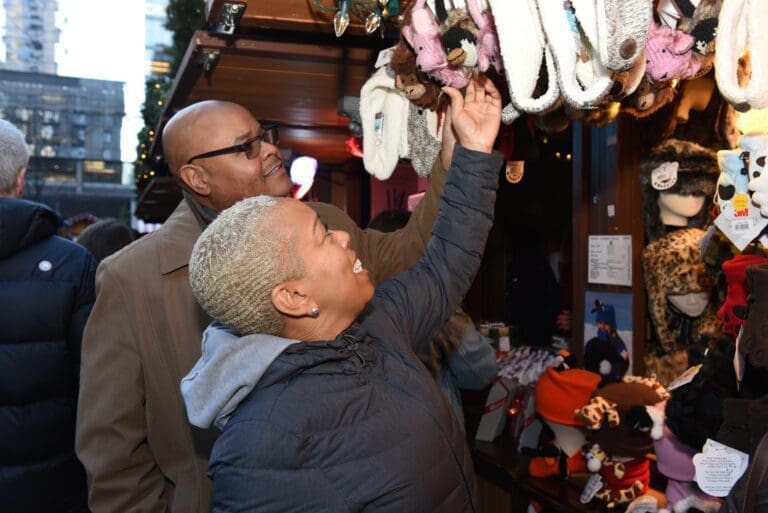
{"points": [[144, 333]]}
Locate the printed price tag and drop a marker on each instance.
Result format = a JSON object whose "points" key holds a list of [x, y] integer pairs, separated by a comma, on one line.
{"points": [[378, 126], [384, 57], [718, 468], [684, 378], [593, 486], [741, 221]]}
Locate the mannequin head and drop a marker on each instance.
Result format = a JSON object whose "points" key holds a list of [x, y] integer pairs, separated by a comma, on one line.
{"points": [[677, 209], [692, 304], [678, 182]]}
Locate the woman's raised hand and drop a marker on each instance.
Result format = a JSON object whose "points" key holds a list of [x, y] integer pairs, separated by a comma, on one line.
{"points": [[476, 117]]}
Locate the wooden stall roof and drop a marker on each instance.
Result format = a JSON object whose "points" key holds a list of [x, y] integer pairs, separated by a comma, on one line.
{"points": [[295, 15], [279, 59]]}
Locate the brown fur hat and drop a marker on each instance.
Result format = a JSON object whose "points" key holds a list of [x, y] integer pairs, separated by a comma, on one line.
{"points": [[697, 176]]}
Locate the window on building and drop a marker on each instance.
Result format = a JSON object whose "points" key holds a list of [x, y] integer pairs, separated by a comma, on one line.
{"points": [[23, 114], [46, 132], [47, 151], [80, 118], [107, 137]]}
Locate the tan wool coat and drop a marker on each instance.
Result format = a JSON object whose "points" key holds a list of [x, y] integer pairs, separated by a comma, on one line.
{"points": [[144, 334]]}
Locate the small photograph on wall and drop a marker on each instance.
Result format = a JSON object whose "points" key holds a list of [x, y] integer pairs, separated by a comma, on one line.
{"points": [[608, 334]]}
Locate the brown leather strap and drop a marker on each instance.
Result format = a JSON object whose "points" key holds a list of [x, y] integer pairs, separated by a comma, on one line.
{"points": [[756, 475]]}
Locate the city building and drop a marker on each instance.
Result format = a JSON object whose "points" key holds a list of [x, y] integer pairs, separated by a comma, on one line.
{"points": [[157, 39], [30, 35], [72, 126]]}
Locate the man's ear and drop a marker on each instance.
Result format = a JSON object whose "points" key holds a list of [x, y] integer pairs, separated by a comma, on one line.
{"points": [[289, 298], [18, 187], [195, 178]]}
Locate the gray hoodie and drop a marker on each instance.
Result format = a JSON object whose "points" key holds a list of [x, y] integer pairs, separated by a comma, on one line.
{"points": [[225, 374]]}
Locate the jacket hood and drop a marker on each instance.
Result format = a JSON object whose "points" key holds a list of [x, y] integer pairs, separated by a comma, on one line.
{"points": [[228, 370], [24, 223]]}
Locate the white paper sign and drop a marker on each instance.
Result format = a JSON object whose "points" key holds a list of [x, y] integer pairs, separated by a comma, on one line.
{"points": [[718, 468], [610, 260]]}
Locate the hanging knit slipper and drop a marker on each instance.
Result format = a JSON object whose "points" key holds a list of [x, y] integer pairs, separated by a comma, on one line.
{"points": [[384, 112], [564, 35], [523, 48], [622, 29], [487, 39], [741, 27]]}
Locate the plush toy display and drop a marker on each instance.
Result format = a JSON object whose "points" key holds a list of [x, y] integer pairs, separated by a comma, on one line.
{"points": [[558, 395], [734, 177], [677, 170], [678, 289], [620, 419], [669, 55], [416, 86], [648, 98]]}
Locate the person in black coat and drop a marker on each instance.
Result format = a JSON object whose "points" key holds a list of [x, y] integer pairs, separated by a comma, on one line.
{"points": [[46, 293], [323, 403]]}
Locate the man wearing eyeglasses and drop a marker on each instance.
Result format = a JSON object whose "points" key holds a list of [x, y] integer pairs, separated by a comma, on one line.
{"points": [[144, 333]]}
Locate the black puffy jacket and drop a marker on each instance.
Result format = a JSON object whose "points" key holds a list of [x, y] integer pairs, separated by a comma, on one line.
{"points": [[46, 294], [357, 423]]}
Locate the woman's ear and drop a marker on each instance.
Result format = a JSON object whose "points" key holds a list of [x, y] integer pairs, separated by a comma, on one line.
{"points": [[289, 299], [195, 179]]}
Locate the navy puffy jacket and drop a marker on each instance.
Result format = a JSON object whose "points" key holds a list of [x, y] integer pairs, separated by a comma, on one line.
{"points": [[46, 294], [357, 424]]}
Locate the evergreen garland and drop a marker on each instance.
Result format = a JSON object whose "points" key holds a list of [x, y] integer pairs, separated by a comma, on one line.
{"points": [[183, 18]]}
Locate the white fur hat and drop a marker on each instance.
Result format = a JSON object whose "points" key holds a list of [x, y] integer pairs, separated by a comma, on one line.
{"points": [[384, 112], [741, 27]]}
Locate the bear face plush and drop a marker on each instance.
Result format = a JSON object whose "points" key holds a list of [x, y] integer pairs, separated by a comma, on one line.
{"points": [[419, 89]]}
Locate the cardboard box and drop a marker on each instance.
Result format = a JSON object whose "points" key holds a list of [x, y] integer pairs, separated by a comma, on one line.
{"points": [[495, 417]]}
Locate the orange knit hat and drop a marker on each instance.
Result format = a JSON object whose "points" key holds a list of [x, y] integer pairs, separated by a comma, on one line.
{"points": [[560, 394]]}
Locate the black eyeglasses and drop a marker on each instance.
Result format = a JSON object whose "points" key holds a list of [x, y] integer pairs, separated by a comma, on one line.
{"points": [[251, 147]]}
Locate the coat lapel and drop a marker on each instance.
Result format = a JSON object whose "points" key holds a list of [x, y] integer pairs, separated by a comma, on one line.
{"points": [[179, 234]]}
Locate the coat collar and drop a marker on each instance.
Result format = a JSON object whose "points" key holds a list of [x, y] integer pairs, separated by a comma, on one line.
{"points": [[177, 238]]}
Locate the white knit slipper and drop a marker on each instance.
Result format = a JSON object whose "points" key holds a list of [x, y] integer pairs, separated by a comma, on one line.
{"points": [[742, 27], [731, 180], [622, 29], [757, 146], [561, 31], [384, 112], [523, 47]]}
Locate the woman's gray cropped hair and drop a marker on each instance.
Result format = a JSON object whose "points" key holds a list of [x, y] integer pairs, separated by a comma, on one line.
{"points": [[236, 263], [14, 155]]}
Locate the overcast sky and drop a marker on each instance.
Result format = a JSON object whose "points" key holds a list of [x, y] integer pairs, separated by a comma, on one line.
{"points": [[103, 40]]}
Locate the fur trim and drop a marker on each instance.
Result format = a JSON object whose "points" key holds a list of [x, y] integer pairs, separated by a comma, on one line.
{"points": [[520, 28], [559, 27], [384, 113], [691, 157], [623, 27], [741, 28]]}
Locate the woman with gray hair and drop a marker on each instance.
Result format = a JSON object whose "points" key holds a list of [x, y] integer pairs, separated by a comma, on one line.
{"points": [[324, 406]]}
